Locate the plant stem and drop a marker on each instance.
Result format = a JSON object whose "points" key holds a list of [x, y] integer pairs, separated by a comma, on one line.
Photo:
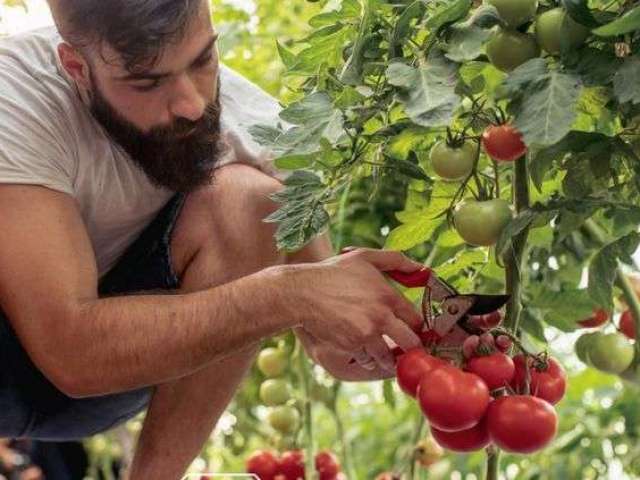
{"points": [[307, 425], [417, 434], [493, 463], [342, 434], [632, 301], [513, 264]]}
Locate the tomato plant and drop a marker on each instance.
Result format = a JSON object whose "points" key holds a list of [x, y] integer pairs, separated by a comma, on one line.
{"points": [[452, 162], [510, 49], [284, 419], [556, 31], [272, 362], [264, 464], [475, 438], [453, 400], [291, 465], [412, 366], [497, 369], [516, 12], [480, 223], [610, 352], [274, 392], [547, 377], [503, 143], [521, 424]]}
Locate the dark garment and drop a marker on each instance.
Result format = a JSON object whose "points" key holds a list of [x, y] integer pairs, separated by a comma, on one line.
{"points": [[30, 405]]}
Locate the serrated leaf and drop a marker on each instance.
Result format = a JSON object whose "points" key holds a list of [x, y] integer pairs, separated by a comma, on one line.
{"points": [[625, 82], [603, 268], [466, 43], [428, 92], [467, 258], [628, 22], [408, 140], [417, 229], [312, 108], [548, 109]]}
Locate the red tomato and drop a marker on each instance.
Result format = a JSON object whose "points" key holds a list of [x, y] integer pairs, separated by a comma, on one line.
{"points": [[264, 464], [292, 465], [412, 366], [453, 400], [598, 318], [627, 325], [476, 438], [327, 465], [548, 380], [503, 143], [487, 321], [496, 370], [521, 423]]}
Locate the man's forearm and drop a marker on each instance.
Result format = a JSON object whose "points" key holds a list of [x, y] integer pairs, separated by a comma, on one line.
{"points": [[122, 343]]}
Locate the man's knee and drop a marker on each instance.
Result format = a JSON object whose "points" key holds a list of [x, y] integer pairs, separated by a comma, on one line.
{"points": [[227, 215]]}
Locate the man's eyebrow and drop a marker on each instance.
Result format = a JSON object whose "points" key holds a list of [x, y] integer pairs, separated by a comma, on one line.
{"points": [[161, 75]]}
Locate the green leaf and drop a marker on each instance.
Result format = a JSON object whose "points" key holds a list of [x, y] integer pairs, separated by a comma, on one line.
{"points": [[476, 258], [520, 78], [352, 71], [402, 28], [428, 92], [466, 43], [595, 66], [629, 22], [579, 11], [531, 322], [410, 169], [312, 108], [287, 56], [448, 12], [513, 228], [626, 84], [302, 215], [548, 109], [562, 309], [603, 268], [293, 162], [408, 140]]}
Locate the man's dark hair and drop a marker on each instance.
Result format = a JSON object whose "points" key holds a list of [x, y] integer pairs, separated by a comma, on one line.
{"points": [[136, 29]]}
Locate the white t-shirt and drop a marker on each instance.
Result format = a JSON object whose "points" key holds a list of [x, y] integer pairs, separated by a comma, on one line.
{"points": [[48, 137]]}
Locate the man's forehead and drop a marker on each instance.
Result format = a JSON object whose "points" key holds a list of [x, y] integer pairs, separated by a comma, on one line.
{"points": [[173, 56]]}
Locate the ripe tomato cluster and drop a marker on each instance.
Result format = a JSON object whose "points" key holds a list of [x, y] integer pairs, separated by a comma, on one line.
{"points": [[290, 465], [275, 392], [490, 397], [608, 352]]}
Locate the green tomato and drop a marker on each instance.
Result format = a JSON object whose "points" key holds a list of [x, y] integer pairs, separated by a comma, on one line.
{"points": [[285, 419], [611, 353], [508, 49], [557, 31], [480, 223], [272, 362], [453, 163], [274, 392], [515, 12], [583, 344], [632, 374]]}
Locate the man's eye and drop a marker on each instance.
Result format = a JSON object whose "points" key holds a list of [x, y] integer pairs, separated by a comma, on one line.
{"points": [[203, 62], [147, 88]]}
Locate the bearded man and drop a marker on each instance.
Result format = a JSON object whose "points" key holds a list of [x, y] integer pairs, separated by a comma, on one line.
{"points": [[136, 272]]}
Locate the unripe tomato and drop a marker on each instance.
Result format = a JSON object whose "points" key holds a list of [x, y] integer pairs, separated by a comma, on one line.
{"points": [[503, 143], [327, 465], [515, 12], [598, 318], [583, 345], [521, 423], [272, 362], [476, 438], [497, 370], [453, 163], [264, 464], [509, 49], [274, 391], [284, 418], [627, 325], [453, 400], [428, 452], [611, 353], [480, 223], [292, 465], [412, 366], [548, 379], [555, 30]]}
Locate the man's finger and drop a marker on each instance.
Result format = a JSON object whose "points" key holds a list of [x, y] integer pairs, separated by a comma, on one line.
{"points": [[401, 334], [385, 260], [407, 312]]}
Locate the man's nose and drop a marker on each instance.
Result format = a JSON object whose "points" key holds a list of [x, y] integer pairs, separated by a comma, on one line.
{"points": [[187, 101]]}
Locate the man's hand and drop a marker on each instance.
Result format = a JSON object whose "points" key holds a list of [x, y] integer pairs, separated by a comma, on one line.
{"points": [[346, 302]]}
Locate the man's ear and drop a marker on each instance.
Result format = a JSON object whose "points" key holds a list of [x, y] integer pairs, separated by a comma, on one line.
{"points": [[75, 65]]}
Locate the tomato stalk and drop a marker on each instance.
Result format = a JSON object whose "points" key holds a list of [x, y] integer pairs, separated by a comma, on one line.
{"points": [[493, 463], [345, 449], [304, 372]]}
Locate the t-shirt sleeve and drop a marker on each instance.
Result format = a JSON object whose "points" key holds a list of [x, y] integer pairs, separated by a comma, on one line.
{"points": [[33, 145], [244, 104]]}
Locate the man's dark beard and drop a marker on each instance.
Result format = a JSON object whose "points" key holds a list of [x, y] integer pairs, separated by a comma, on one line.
{"points": [[167, 157]]}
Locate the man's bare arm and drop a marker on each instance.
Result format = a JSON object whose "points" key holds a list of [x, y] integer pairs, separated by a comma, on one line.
{"points": [[90, 346]]}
